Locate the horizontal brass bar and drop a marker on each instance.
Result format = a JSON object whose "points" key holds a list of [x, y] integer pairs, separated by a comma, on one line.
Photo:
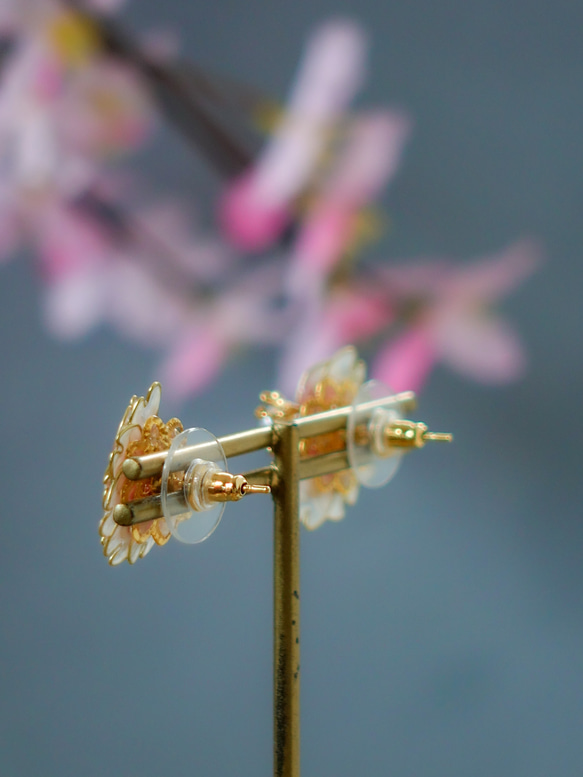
{"points": [[149, 508], [334, 420], [234, 445], [259, 438], [323, 465], [264, 476]]}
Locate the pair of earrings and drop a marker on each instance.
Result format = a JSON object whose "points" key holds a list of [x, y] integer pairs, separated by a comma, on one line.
{"points": [[163, 481]]}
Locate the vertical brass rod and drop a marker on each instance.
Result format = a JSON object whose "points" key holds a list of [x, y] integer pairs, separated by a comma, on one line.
{"points": [[286, 604]]}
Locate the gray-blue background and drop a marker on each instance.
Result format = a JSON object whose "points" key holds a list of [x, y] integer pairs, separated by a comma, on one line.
{"points": [[442, 627]]}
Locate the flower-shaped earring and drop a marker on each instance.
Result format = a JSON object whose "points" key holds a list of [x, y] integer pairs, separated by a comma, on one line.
{"points": [[375, 437], [168, 498], [140, 431], [325, 386]]}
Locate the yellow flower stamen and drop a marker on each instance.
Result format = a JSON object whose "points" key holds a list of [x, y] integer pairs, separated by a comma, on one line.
{"points": [[74, 37]]}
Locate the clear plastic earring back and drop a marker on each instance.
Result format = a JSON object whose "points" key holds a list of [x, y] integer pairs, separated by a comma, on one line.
{"points": [[190, 516], [373, 463]]}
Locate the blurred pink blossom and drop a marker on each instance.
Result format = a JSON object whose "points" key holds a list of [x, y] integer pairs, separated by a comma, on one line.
{"points": [[241, 315], [146, 275], [404, 363], [61, 118], [58, 122], [368, 160], [105, 110], [194, 360], [425, 312], [347, 315], [258, 206], [454, 322], [69, 108]]}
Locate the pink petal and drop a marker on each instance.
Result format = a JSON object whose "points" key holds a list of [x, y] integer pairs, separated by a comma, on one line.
{"points": [[249, 221], [481, 347], [331, 73], [417, 278], [319, 246], [370, 158], [405, 362], [48, 80], [357, 315], [193, 362], [495, 276], [67, 241], [105, 109], [371, 155], [255, 209], [323, 328], [332, 70]]}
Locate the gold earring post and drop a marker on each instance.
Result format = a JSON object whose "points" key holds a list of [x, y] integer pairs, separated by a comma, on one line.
{"points": [[410, 434], [224, 487]]}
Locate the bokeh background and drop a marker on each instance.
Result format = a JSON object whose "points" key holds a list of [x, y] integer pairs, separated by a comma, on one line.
{"points": [[442, 620]]}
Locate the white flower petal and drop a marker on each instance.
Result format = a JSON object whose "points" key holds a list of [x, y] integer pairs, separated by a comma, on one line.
{"points": [[108, 525], [153, 400], [134, 552], [310, 380], [145, 547], [315, 506], [359, 373], [128, 435], [352, 496], [118, 558], [73, 305], [342, 365], [119, 539], [335, 511]]}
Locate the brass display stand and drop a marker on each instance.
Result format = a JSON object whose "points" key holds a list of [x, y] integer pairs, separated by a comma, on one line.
{"points": [[282, 479]]}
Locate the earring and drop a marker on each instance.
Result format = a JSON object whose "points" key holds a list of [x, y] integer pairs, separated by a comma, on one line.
{"points": [[375, 437], [168, 499]]}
